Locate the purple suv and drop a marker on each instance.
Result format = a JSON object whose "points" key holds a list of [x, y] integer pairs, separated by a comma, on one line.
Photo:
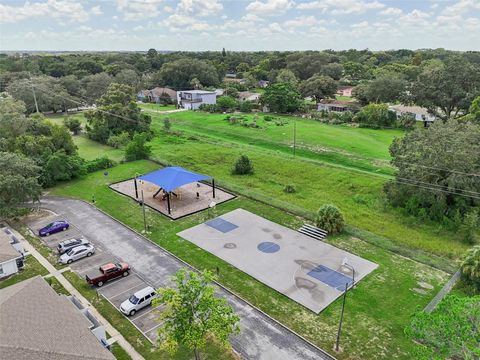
{"points": [[54, 227]]}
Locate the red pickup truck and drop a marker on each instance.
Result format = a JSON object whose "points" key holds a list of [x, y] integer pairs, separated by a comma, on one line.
{"points": [[108, 272]]}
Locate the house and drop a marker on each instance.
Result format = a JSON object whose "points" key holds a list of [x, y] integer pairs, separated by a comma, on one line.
{"points": [[157, 95], [234, 80], [337, 106], [11, 253], [248, 96], [231, 75], [37, 323], [345, 90], [192, 99], [420, 113], [263, 83], [219, 92]]}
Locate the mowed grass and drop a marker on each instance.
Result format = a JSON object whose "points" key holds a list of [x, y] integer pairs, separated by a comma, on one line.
{"points": [[157, 107], [90, 150], [377, 311], [31, 268]]}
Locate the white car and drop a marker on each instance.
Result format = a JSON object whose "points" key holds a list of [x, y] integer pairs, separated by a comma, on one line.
{"points": [[138, 301], [76, 253]]}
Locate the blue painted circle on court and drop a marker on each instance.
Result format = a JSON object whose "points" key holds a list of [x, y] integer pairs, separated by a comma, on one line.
{"points": [[268, 247]]}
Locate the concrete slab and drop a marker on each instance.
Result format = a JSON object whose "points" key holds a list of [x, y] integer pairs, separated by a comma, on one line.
{"points": [[185, 203], [279, 257]]}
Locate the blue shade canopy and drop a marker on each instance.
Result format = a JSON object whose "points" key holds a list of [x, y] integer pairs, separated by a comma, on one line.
{"points": [[172, 177]]}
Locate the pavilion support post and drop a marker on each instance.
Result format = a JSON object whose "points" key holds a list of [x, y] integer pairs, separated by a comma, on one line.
{"points": [[136, 187], [168, 203], [213, 187]]}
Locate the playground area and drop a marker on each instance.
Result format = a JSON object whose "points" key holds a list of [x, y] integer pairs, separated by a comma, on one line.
{"points": [[306, 270], [173, 191]]}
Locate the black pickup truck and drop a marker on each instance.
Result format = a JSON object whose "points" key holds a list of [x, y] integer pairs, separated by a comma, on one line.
{"points": [[108, 272]]}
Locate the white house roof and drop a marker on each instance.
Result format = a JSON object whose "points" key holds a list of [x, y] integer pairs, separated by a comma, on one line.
{"points": [[37, 323], [197, 92], [7, 251], [410, 109]]}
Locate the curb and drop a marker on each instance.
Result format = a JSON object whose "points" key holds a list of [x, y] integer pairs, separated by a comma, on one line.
{"points": [[217, 283]]}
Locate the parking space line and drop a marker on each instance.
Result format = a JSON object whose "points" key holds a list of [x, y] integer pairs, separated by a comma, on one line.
{"points": [[153, 328], [133, 287], [145, 313], [115, 281]]}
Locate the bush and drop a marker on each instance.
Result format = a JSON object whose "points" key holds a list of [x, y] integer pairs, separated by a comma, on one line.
{"points": [[243, 166], [167, 124], [268, 118], [99, 164], [471, 223], [406, 121], [289, 189], [119, 141], [73, 124], [226, 103], [137, 148], [470, 268], [330, 218], [245, 106]]}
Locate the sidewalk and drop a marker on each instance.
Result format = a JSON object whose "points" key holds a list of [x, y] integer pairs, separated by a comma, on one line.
{"points": [[116, 336]]}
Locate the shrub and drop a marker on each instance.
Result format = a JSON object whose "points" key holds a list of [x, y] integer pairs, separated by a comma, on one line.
{"points": [[226, 103], [289, 189], [73, 124], [243, 166], [471, 222], [470, 268], [119, 141], [137, 148], [268, 118], [167, 124], [99, 164], [330, 218], [245, 106]]}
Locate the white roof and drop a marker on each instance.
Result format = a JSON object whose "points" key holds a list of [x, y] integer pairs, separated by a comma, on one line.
{"points": [[197, 92], [145, 291]]}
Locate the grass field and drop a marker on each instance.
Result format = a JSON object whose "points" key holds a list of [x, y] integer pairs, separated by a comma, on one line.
{"points": [[340, 145], [32, 268], [89, 149], [157, 107], [377, 310]]}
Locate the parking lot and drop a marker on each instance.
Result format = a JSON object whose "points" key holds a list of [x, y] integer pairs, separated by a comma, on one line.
{"points": [[115, 291]]}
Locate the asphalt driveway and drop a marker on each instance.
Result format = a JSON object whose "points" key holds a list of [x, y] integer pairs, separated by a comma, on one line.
{"points": [[260, 337]]}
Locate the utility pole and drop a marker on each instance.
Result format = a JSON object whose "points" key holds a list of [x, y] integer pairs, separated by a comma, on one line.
{"points": [[34, 96], [337, 344], [144, 218], [294, 135]]}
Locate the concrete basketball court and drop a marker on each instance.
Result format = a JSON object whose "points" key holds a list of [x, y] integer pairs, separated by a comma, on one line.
{"points": [[306, 270]]}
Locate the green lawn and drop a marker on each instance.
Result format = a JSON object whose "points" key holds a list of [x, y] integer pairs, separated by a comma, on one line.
{"points": [[377, 311], [32, 268], [340, 145], [157, 107], [90, 150]]}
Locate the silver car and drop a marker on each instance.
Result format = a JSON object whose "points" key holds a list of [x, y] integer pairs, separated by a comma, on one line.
{"points": [[66, 245], [76, 253]]}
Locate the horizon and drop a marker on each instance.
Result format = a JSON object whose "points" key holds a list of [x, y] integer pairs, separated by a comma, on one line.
{"points": [[247, 25]]}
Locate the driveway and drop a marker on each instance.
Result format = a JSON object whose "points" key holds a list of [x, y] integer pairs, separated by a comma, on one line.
{"points": [[260, 337]]}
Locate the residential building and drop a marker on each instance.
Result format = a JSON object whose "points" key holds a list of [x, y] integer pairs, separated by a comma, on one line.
{"points": [[157, 94], [263, 83], [11, 253], [219, 92], [345, 90], [192, 99], [248, 96], [420, 113], [337, 106], [37, 323]]}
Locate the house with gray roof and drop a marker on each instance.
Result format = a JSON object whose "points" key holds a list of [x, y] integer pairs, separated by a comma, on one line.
{"points": [[11, 253], [37, 323]]}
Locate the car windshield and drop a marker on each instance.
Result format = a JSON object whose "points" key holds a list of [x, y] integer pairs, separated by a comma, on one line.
{"points": [[49, 225], [133, 299]]}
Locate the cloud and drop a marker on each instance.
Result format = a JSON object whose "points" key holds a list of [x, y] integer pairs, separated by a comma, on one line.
{"points": [[341, 7], [138, 9], [461, 7], [96, 10], [72, 11], [391, 11], [300, 21], [269, 7], [199, 7]]}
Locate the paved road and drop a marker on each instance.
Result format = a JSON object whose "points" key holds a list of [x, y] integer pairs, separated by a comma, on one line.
{"points": [[260, 337]]}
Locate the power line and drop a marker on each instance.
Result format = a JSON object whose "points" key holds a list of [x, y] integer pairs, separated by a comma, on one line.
{"points": [[406, 181], [437, 168]]}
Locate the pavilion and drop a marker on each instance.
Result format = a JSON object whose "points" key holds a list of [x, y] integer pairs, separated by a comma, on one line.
{"points": [[170, 178]]}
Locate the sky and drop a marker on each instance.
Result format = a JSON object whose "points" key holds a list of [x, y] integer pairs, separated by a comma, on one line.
{"points": [[248, 25]]}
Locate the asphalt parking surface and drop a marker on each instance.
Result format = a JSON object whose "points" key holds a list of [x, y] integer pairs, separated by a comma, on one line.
{"points": [[260, 336], [115, 291]]}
